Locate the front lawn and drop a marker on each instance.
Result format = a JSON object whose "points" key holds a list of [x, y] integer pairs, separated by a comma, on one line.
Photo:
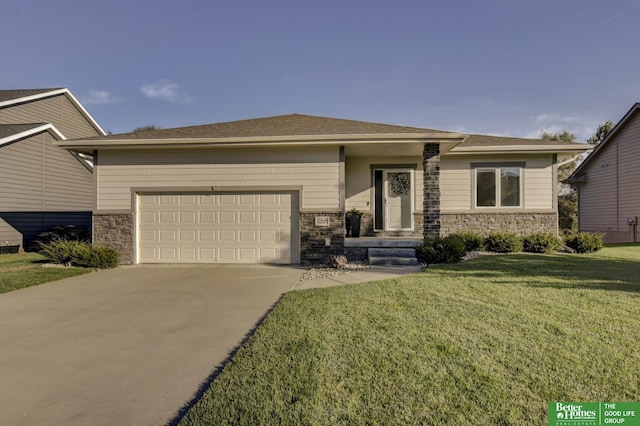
{"points": [[486, 342], [26, 269]]}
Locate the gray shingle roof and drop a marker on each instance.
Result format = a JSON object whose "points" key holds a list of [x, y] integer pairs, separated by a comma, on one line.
{"points": [[486, 140], [282, 125], [8, 95], [12, 129]]}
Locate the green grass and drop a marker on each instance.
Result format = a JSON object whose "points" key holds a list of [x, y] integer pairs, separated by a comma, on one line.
{"points": [[25, 269], [486, 342]]}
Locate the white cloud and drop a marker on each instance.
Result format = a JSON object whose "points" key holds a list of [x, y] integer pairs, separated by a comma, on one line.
{"points": [[558, 118], [165, 90], [99, 97]]}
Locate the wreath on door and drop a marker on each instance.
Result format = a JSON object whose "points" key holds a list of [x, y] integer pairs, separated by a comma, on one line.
{"points": [[399, 183]]}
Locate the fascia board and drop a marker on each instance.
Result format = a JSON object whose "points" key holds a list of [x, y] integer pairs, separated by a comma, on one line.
{"points": [[520, 149], [44, 128], [306, 140], [56, 92]]}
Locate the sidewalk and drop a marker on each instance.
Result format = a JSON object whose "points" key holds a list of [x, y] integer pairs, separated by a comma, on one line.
{"points": [[374, 273]]}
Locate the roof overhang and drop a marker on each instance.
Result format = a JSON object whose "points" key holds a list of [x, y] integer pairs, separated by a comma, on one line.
{"points": [[561, 149], [56, 92], [51, 129], [446, 140], [579, 174], [33, 131]]}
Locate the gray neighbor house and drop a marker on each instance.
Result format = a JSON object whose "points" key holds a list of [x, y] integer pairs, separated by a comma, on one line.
{"points": [[607, 183], [276, 189], [41, 184]]}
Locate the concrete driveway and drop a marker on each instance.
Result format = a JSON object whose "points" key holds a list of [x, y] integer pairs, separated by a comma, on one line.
{"points": [[128, 346]]}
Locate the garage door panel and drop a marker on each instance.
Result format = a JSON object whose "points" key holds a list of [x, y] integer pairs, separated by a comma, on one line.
{"points": [[188, 217], [231, 228]]}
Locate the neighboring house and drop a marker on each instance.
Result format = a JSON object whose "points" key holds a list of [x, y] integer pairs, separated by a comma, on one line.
{"points": [[42, 185], [607, 183], [276, 189]]}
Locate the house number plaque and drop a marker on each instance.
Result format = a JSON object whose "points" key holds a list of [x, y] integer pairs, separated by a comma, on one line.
{"points": [[322, 220]]}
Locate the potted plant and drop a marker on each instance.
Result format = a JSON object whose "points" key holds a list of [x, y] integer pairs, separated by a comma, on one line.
{"points": [[353, 222]]}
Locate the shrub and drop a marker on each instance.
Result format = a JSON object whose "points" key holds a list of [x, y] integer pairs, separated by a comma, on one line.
{"points": [[78, 253], [60, 252], [473, 241], [61, 233], [450, 249], [503, 242], [585, 242], [543, 242]]}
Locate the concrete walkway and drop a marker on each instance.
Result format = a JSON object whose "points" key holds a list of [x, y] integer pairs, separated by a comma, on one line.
{"points": [[374, 273]]}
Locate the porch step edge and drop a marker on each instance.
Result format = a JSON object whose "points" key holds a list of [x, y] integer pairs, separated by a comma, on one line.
{"points": [[392, 261], [392, 252], [381, 243]]}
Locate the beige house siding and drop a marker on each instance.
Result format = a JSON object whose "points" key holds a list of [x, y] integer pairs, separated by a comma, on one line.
{"points": [[611, 194], [359, 187], [314, 170], [457, 181], [8, 234], [58, 110], [37, 176]]}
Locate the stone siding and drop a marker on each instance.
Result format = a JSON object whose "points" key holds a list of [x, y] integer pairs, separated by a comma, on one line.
{"points": [[313, 248], [366, 227], [486, 222], [115, 230], [431, 180]]}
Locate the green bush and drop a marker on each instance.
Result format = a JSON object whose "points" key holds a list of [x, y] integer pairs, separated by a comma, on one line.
{"points": [[473, 241], [450, 249], [60, 251], [65, 233], [543, 242], [585, 242], [78, 253], [503, 242]]}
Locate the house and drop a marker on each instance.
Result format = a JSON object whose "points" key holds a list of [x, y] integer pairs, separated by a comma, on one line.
{"points": [[608, 194], [42, 185], [276, 189]]}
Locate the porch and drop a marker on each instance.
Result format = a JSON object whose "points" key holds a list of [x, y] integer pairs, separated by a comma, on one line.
{"points": [[383, 250]]}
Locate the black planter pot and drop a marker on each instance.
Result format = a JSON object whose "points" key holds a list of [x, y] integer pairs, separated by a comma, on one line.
{"points": [[355, 226], [9, 249]]}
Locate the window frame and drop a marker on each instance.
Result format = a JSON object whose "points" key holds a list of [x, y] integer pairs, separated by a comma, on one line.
{"points": [[496, 168]]}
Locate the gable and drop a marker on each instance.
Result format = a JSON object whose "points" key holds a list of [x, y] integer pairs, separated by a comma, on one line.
{"points": [[627, 130], [58, 110], [36, 175]]}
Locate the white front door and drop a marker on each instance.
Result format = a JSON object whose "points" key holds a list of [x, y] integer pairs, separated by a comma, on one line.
{"points": [[398, 196]]}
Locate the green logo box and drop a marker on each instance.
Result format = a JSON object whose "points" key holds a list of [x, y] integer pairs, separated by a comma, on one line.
{"points": [[593, 413]]}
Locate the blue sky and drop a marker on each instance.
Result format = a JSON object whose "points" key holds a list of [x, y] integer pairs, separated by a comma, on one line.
{"points": [[506, 67]]}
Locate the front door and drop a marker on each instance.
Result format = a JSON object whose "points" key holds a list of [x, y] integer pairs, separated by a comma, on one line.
{"points": [[396, 199]]}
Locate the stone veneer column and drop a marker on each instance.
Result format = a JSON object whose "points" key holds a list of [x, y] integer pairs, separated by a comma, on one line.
{"points": [[431, 177], [313, 249], [115, 230]]}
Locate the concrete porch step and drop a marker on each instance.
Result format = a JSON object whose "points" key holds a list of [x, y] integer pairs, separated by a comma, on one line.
{"points": [[392, 261], [392, 256], [392, 252]]}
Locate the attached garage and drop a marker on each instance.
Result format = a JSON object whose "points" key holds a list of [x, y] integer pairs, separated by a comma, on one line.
{"points": [[231, 227]]}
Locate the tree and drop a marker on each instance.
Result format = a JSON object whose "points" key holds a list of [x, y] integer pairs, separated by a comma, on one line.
{"points": [[601, 132], [565, 170], [567, 197], [145, 128]]}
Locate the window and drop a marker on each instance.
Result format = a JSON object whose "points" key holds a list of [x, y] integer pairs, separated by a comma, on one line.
{"points": [[498, 186]]}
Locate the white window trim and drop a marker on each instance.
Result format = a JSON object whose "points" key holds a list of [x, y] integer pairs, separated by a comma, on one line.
{"points": [[497, 171]]}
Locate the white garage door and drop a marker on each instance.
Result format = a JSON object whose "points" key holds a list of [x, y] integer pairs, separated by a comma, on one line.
{"points": [[217, 228]]}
